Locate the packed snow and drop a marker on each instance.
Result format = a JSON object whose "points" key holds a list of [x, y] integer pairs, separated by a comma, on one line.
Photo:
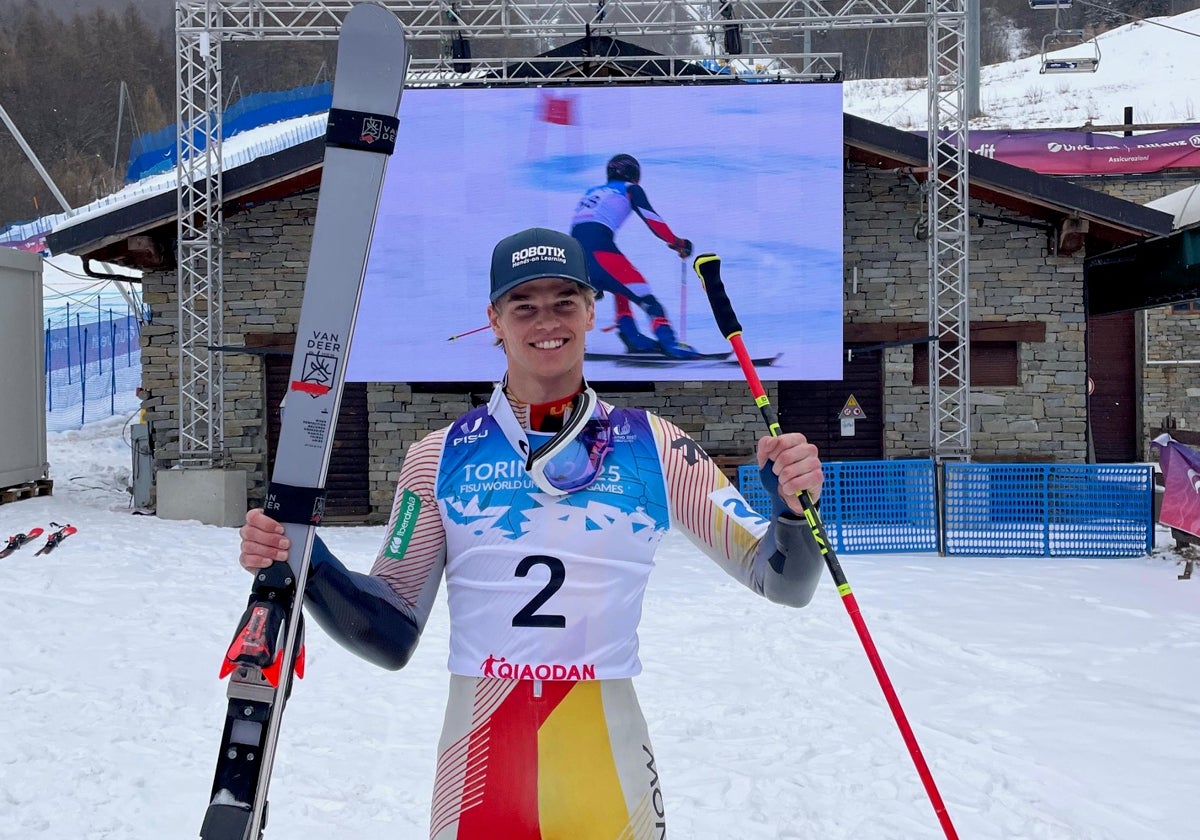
{"points": [[1052, 698]]}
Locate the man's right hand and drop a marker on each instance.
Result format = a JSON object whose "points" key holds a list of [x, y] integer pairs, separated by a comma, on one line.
{"points": [[263, 541]]}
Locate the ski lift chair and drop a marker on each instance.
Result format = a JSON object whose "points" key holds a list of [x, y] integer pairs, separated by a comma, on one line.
{"points": [[1049, 4], [1083, 62]]}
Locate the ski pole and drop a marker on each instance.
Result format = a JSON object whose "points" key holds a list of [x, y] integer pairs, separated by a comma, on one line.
{"points": [[468, 332], [708, 269], [683, 300]]}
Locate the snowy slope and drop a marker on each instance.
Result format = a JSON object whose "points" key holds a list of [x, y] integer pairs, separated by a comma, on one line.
{"points": [[1150, 67]]}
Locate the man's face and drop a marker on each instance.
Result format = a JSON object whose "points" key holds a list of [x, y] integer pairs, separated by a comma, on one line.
{"points": [[542, 324]]}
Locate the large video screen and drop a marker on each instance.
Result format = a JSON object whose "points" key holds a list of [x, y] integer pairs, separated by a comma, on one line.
{"points": [[750, 172]]}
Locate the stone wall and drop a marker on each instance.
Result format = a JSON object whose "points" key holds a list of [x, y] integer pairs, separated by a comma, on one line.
{"points": [[1139, 189], [1013, 279], [265, 262], [1170, 365]]}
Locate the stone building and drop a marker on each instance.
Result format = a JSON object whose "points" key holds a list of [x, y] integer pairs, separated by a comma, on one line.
{"points": [[1033, 344]]}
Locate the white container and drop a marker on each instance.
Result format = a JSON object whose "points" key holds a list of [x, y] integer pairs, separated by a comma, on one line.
{"points": [[22, 369]]}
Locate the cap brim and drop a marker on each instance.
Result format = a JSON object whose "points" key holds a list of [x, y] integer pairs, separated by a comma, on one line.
{"points": [[508, 287]]}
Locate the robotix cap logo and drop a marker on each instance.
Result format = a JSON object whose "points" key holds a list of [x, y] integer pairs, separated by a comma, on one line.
{"points": [[550, 253]]}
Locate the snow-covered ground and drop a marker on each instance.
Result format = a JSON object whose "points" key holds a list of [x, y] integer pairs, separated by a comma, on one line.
{"points": [[1053, 698]]}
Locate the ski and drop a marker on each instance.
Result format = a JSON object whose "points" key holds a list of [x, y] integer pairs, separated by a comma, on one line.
{"points": [[18, 540], [267, 647], [55, 539], [659, 360]]}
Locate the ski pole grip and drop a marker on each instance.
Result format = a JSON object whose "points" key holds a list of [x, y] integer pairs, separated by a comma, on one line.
{"points": [[708, 269]]}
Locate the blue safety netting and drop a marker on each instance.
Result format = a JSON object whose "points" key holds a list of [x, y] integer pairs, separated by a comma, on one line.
{"points": [[93, 365], [156, 152], [1073, 510], [868, 506]]}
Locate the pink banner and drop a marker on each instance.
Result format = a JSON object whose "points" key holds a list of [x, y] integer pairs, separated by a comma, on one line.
{"points": [[35, 244], [1085, 153], [1181, 475]]}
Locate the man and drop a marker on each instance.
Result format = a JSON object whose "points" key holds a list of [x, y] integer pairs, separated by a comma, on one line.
{"points": [[599, 213], [543, 509]]}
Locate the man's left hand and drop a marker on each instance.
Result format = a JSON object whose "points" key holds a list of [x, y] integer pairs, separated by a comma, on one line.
{"points": [[682, 247], [797, 466]]}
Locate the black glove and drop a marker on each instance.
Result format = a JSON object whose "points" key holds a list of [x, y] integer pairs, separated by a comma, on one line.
{"points": [[682, 247]]}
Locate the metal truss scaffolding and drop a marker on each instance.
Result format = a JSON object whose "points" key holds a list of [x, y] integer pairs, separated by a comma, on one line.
{"points": [[947, 185], [199, 226], [531, 29]]}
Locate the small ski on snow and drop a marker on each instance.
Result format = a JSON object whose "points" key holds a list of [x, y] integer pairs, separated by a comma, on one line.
{"points": [[660, 360], [55, 539], [267, 647], [18, 540]]}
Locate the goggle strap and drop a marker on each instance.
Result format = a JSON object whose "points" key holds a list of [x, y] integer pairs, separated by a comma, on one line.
{"points": [[578, 415]]}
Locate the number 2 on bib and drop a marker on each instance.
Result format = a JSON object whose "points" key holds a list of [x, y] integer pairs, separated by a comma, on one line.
{"points": [[528, 615]]}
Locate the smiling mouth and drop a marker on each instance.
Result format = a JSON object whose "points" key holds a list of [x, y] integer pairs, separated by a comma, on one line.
{"points": [[551, 344]]}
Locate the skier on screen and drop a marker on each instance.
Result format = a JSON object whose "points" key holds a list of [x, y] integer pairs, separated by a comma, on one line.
{"points": [[601, 211]]}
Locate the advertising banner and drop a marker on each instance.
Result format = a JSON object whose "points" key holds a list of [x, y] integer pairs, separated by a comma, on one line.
{"points": [[1181, 474], [1086, 153]]}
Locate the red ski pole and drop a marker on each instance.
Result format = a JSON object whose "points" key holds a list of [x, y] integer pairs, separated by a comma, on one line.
{"points": [[708, 269]]}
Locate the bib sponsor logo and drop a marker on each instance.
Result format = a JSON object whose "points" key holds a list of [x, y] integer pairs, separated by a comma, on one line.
{"points": [[469, 432], [498, 667], [548, 253], [406, 520]]}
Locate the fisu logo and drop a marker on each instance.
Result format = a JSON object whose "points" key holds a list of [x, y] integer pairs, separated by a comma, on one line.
{"points": [[469, 432]]}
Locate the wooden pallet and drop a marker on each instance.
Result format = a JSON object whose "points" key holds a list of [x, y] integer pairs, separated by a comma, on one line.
{"points": [[28, 490]]}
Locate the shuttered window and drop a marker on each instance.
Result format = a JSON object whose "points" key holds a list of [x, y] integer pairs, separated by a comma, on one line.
{"points": [[993, 363]]}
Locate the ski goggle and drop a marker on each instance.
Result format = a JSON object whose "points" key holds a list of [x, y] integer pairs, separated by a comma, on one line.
{"points": [[574, 457]]}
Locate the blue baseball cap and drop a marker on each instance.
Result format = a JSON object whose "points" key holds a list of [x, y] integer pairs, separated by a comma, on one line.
{"points": [[533, 254]]}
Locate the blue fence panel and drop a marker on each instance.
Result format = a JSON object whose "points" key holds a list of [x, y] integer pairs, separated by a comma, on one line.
{"points": [[882, 506], [1039, 510], [1055, 510], [868, 506]]}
